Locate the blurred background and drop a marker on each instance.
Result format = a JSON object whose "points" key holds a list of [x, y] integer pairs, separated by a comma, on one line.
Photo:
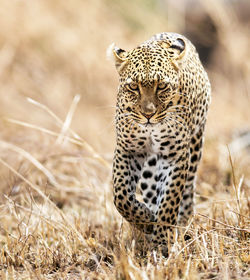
{"points": [[57, 106], [55, 51]]}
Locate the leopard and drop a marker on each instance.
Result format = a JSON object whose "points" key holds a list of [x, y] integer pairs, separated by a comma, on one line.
{"points": [[161, 111]]}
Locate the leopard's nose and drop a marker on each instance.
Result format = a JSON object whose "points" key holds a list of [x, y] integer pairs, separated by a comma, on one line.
{"points": [[148, 109], [148, 115]]}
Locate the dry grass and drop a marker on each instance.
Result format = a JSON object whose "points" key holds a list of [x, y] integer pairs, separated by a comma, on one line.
{"points": [[57, 216]]}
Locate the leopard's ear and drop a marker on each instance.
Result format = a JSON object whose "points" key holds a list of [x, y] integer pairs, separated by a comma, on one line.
{"points": [[177, 50], [176, 46], [179, 45], [118, 55]]}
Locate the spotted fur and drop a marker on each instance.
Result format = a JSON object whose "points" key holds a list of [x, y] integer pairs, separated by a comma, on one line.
{"points": [[162, 104]]}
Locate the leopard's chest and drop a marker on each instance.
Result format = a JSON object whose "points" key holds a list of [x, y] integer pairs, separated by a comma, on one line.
{"points": [[151, 139]]}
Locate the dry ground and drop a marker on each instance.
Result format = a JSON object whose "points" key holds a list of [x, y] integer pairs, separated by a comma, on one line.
{"points": [[57, 219]]}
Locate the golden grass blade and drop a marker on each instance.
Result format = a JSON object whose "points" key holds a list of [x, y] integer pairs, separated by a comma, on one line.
{"points": [[226, 225], [46, 109], [33, 160], [68, 120], [61, 123], [81, 142], [43, 169], [192, 241], [36, 189], [39, 214]]}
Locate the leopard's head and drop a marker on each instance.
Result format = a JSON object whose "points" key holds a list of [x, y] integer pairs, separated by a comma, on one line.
{"points": [[150, 78]]}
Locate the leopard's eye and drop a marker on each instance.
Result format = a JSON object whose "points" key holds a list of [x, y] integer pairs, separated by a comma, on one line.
{"points": [[163, 86], [132, 86]]}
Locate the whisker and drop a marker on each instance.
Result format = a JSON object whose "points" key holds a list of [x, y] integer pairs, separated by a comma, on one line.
{"points": [[166, 112], [161, 115], [179, 106], [176, 115], [169, 118], [170, 123], [126, 114], [179, 93], [135, 116], [177, 111], [132, 124], [179, 122]]}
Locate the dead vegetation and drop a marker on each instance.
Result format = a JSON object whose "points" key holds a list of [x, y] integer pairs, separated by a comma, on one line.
{"points": [[57, 138]]}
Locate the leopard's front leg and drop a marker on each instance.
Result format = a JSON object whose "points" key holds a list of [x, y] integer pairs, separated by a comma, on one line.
{"points": [[124, 182], [187, 204], [171, 193]]}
